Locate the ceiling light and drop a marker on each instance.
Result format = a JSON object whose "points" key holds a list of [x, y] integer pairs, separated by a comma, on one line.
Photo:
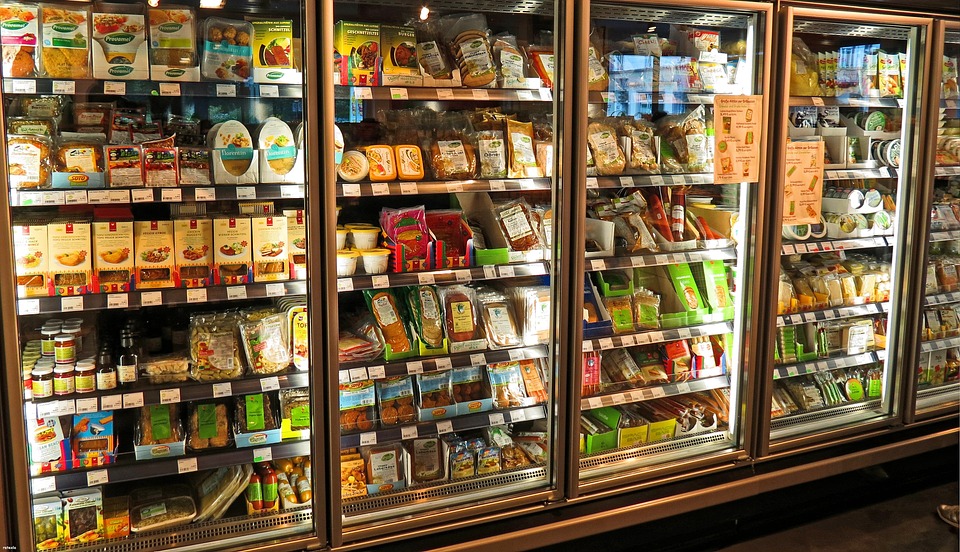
{"points": [[424, 13], [211, 4]]}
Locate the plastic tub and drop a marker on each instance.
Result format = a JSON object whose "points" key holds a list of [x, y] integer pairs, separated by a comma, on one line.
{"points": [[365, 238], [375, 261], [341, 238], [346, 262]]}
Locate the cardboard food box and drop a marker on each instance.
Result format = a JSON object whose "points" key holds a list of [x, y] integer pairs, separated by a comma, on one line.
{"points": [[273, 52], [70, 268], [193, 240], [297, 235], [120, 45], [271, 260], [153, 243], [116, 517], [30, 252], [93, 439], [232, 257], [47, 521], [357, 53], [113, 261], [400, 64], [82, 516], [173, 45]]}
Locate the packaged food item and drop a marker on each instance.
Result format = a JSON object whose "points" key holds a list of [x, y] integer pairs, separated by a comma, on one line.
{"points": [[193, 243], [19, 32], [493, 157], [208, 425], [463, 463], [163, 513], [460, 313], [357, 400], [214, 350], [37, 126], [382, 163], [409, 162], [523, 159], [427, 457], [453, 160], [273, 47], [488, 460], [154, 243], [266, 343], [395, 396], [542, 60], [383, 464], [424, 304], [510, 61], [270, 257], [467, 384], [385, 308], [353, 475], [607, 155], [194, 166], [469, 44], [435, 389], [255, 413], [93, 439], [31, 258], [232, 255], [408, 229], [113, 263], [642, 157], [499, 320], [173, 46], [71, 266], [533, 381], [116, 517], [506, 384], [160, 167], [169, 368], [532, 305], [38, 106], [597, 78], [295, 408], [357, 53], [79, 156], [66, 41], [227, 49], [276, 143], [124, 166], [120, 42], [515, 221], [217, 489], [159, 424], [29, 162], [82, 516], [512, 457]]}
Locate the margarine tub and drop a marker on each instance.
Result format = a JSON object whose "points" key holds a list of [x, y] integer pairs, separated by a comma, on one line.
{"points": [[342, 238], [383, 166], [353, 167], [409, 162], [374, 261], [365, 238], [346, 262]]}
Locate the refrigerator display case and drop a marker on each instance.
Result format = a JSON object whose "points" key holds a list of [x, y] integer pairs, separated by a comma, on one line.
{"points": [[847, 151], [936, 380], [444, 226], [155, 296], [671, 147]]}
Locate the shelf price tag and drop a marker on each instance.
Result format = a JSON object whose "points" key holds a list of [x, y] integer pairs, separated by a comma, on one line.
{"points": [[344, 284], [489, 272], [515, 354], [409, 432], [463, 275], [222, 390], [205, 194], [525, 95], [270, 384], [409, 188], [85, 406], [518, 416], [380, 188], [132, 400], [443, 364], [151, 298], [454, 187], [817, 101], [118, 301], [24, 87], [376, 372], [478, 359], [626, 181], [363, 93], [47, 410], [197, 295], [789, 249], [606, 343], [275, 290], [592, 183], [264, 454], [586, 346], [497, 185], [426, 278], [358, 374], [226, 91], [369, 438], [111, 402], [444, 426], [351, 190], [169, 88], [97, 477], [380, 281], [683, 388], [480, 94], [444, 94], [291, 192], [141, 196], [171, 195], [68, 304], [186, 465], [684, 333], [598, 264], [269, 91], [507, 272], [115, 88], [792, 371], [628, 340], [496, 419], [415, 367], [236, 292], [399, 94], [64, 87], [169, 396], [44, 485], [246, 192]]}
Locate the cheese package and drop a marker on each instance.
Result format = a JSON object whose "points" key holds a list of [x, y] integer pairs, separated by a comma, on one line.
{"points": [[120, 42], [173, 44], [71, 268], [383, 166], [193, 239], [113, 261], [232, 258], [153, 243], [270, 242], [273, 52], [65, 50], [30, 254], [409, 162], [124, 166], [19, 32], [227, 49]]}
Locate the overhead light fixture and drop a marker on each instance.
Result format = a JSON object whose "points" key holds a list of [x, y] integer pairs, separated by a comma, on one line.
{"points": [[652, 29], [424, 13], [211, 4], [153, 3]]}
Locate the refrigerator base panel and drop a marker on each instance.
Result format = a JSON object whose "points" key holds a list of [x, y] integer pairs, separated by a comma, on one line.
{"points": [[627, 458], [431, 497], [807, 422], [235, 532], [934, 397]]}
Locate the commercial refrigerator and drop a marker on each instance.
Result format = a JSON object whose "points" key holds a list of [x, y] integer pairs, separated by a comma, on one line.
{"points": [[445, 221], [670, 189], [158, 162], [933, 389], [847, 155]]}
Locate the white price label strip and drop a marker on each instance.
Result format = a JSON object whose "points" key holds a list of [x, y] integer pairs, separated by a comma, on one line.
{"points": [[64, 87], [141, 196], [480, 94], [264, 454], [151, 298], [515, 354], [345, 284], [683, 388], [507, 272], [351, 190], [409, 188], [444, 94], [518, 416], [169, 396], [380, 281], [236, 292], [598, 264], [205, 194], [97, 477], [496, 419], [409, 432], [380, 188], [169, 88], [186, 465], [197, 295], [111, 402], [363, 93], [276, 290], [594, 402], [114, 88], [270, 384], [24, 87], [463, 275], [606, 343], [497, 185], [132, 400], [489, 272], [44, 485], [443, 364], [478, 359], [426, 279], [415, 367], [269, 91], [454, 187], [377, 372], [226, 90], [222, 390], [399, 94], [68, 304], [358, 374], [86, 406], [246, 192], [369, 438], [28, 306], [444, 426], [118, 301]]}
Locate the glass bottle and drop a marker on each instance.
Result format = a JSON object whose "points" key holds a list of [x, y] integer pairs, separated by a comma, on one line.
{"points": [[106, 370], [128, 358]]}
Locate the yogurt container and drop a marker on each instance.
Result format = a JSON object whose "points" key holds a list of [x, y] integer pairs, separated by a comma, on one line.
{"points": [[342, 238], [365, 238], [346, 262], [375, 261]]}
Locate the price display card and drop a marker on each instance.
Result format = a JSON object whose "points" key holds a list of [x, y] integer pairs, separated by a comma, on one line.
{"points": [[736, 120], [803, 183]]}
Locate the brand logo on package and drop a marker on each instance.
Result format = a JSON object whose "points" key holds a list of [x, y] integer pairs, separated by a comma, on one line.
{"points": [[78, 178], [169, 27], [269, 221], [120, 70], [13, 25], [193, 224], [68, 228], [232, 223], [119, 38], [64, 27], [258, 438], [153, 225], [160, 450], [113, 227], [439, 412], [274, 75], [474, 405], [174, 72]]}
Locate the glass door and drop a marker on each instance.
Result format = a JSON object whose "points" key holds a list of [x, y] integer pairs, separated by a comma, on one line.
{"points": [[443, 231], [673, 154], [156, 340], [937, 372], [847, 151]]}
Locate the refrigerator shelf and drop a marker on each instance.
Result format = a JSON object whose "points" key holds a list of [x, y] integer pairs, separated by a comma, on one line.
{"points": [[124, 196], [659, 259], [168, 393], [135, 471], [942, 298], [358, 371], [944, 236], [96, 87], [649, 96], [840, 415], [832, 314], [853, 174], [157, 297], [440, 427], [845, 101], [444, 276], [370, 189], [662, 450], [946, 171], [939, 344], [429, 93], [794, 247], [648, 180], [826, 364], [939, 395], [656, 336], [542, 7], [417, 494], [654, 392]]}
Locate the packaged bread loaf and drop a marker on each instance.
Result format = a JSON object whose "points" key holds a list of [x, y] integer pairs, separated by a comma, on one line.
{"points": [[208, 426]]}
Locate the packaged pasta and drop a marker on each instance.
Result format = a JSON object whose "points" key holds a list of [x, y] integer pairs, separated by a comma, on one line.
{"points": [[266, 343], [395, 397], [159, 424], [255, 413], [460, 313], [424, 305], [227, 49], [66, 41], [499, 321], [214, 348], [19, 32], [514, 219], [523, 159], [208, 425], [386, 310]]}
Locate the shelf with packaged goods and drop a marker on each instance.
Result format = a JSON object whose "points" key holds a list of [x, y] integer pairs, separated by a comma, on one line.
{"points": [[137, 470], [98, 87], [947, 171], [855, 174], [827, 364], [846, 101], [649, 180], [636, 96], [660, 259], [425, 93], [656, 336], [158, 297], [942, 298], [835, 313], [690, 444], [444, 276], [165, 393], [950, 104], [369, 189], [105, 196], [932, 395], [358, 371], [794, 247], [940, 344], [843, 414], [945, 236], [440, 427], [655, 392]]}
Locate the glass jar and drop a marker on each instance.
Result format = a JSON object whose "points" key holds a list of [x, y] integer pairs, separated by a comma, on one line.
{"points": [[65, 349], [42, 382], [47, 344], [27, 383], [63, 382], [85, 377]]}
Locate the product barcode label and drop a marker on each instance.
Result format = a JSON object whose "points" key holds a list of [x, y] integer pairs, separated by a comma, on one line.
{"points": [[186, 465], [369, 438], [132, 400], [264, 454], [168, 396], [270, 384], [68, 304], [197, 295], [222, 390], [409, 432], [97, 477], [118, 301]]}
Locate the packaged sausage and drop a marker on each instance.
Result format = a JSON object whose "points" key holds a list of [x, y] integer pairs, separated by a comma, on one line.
{"points": [[511, 61], [208, 425], [29, 163], [255, 413], [19, 32], [395, 397], [607, 155], [383, 165], [227, 49], [357, 400], [266, 343], [383, 464], [499, 321], [214, 350], [466, 37], [514, 219], [460, 313], [407, 228], [66, 41], [435, 390], [523, 159], [424, 305], [427, 456], [159, 425], [506, 384], [386, 310]]}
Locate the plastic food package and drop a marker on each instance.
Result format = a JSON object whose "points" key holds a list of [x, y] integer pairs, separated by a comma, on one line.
{"points": [[621, 368], [395, 397], [461, 318], [533, 380], [532, 305], [597, 78], [66, 41], [357, 400], [646, 309], [217, 489], [162, 513], [499, 321], [173, 46], [427, 458], [79, 156], [640, 134], [433, 57], [683, 144], [19, 33], [266, 344], [364, 341], [408, 229], [383, 464], [603, 143], [510, 61], [227, 49], [466, 37], [520, 147], [29, 162], [543, 61], [424, 305], [467, 384], [506, 384], [255, 413], [214, 349], [386, 310], [159, 424], [621, 312], [453, 160], [295, 406], [435, 389], [804, 79], [208, 425], [514, 219], [493, 156]]}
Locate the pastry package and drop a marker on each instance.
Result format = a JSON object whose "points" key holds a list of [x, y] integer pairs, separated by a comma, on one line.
{"points": [[29, 161], [603, 143], [506, 384], [424, 306], [19, 37], [255, 413], [386, 311], [208, 425], [357, 400], [227, 49], [159, 424], [499, 321], [65, 51], [395, 398], [169, 368], [520, 147], [407, 227], [214, 347], [266, 342], [295, 407], [461, 318], [515, 222]]}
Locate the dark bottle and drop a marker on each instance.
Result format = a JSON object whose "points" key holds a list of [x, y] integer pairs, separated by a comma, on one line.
{"points": [[128, 358], [106, 370]]}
